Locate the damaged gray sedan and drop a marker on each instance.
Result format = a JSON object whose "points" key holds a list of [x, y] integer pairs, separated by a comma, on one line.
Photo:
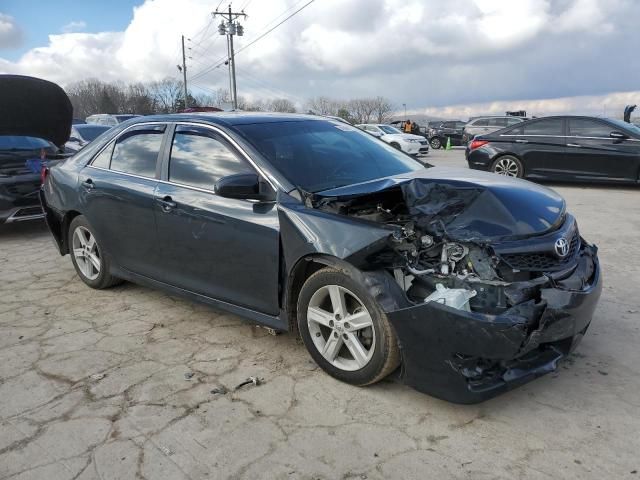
{"points": [[463, 283]]}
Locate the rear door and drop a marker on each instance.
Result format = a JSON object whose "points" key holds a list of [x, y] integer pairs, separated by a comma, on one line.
{"points": [[592, 153], [224, 248], [117, 192], [541, 146]]}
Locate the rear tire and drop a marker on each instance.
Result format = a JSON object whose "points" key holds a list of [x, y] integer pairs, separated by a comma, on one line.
{"points": [[435, 143], [508, 165], [87, 257], [345, 330]]}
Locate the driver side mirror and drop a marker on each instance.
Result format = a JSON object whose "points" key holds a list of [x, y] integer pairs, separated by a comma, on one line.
{"points": [[618, 135], [244, 186]]}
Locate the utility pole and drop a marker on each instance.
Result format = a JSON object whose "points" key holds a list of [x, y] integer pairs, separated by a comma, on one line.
{"points": [[230, 27], [184, 76]]}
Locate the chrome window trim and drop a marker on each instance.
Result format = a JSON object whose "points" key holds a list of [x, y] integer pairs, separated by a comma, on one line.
{"points": [[568, 136], [273, 182]]}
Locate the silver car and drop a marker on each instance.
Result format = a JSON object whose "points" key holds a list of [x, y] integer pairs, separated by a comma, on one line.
{"points": [[489, 124]]}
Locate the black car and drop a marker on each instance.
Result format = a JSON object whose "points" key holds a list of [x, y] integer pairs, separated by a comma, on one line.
{"points": [[470, 282], [568, 148], [451, 131], [36, 118]]}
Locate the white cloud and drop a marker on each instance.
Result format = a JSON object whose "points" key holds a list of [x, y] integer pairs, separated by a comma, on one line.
{"points": [[74, 26], [419, 52], [10, 33]]}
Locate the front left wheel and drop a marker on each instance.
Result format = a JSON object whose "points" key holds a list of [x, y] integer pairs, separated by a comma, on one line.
{"points": [[91, 265], [345, 330]]}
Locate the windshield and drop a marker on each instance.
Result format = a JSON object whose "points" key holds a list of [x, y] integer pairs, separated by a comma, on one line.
{"points": [[388, 129], [91, 132], [319, 155], [627, 126], [14, 142]]}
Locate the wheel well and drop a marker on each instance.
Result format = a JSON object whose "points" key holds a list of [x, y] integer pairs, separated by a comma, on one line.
{"points": [[381, 285], [64, 230]]}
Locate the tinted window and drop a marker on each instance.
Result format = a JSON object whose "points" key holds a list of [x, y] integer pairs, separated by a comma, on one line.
{"points": [[199, 159], [583, 127], [136, 152], [90, 132], [513, 121], [319, 155], [15, 142], [103, 159], [481, 122], [449, 125], [552, 126], [497, 122]]}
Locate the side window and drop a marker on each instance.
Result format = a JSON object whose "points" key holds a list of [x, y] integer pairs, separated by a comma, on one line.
{"points": [[448, 125], [512, 121], [497, 122], [136, 152], [583, 127], [199, 158], [103, 159], [552, 126], [481, 122]]}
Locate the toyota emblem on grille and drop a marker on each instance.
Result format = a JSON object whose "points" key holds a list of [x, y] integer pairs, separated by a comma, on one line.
{"points": [[562, 247]]}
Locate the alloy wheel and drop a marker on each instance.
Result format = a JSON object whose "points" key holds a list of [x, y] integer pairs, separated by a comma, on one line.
{"points": [[86, 253], [435, 143], [341, 328], [507, 166]]}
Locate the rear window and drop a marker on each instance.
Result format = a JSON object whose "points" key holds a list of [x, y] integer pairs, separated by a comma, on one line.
{"points": [[14, 142], [497, 122], [481, 122]]}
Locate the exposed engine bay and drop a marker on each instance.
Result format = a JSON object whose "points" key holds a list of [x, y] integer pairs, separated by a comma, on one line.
{"points": [[435, 254]]}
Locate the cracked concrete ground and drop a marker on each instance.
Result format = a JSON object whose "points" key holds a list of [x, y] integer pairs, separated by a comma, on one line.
{"points": [[98, 385]]}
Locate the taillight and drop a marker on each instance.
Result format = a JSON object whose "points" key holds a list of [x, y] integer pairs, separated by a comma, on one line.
{"points": [[44, 171], [477, 144]]}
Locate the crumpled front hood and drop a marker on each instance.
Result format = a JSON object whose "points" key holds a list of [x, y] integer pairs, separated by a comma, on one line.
{"points": [[464, 205], [35, 108]]}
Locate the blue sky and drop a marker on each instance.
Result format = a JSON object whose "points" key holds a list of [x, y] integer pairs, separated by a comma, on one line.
{"points": [[40, 18]]}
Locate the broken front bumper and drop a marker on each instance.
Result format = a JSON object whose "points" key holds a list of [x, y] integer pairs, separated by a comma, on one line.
{"points": [[468, 357]]}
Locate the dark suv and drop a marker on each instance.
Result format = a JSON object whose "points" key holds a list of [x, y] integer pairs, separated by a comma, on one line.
{"points": [[35, 122], [20, 164], [447, 130]]}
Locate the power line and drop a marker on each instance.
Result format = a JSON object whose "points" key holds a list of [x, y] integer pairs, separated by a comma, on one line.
{"points": [[223, 59]]}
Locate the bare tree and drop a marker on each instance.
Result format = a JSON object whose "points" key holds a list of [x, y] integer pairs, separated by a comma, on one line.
{"points": [[383, 109], [283, 105], [166, 93], [323, 106]]}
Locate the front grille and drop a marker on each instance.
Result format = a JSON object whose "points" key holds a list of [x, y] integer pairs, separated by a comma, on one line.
{"points": [[542, 262]]}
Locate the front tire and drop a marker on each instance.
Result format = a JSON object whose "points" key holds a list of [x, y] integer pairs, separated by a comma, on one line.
{"points": [[508, 165], [396, 145], [86, 254], [435, 143], [345, 330]]}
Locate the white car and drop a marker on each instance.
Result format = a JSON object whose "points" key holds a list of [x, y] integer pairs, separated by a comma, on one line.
{"points": [[408, 143]]}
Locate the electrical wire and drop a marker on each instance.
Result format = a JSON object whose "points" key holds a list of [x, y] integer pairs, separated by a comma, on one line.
{"points": [[223, 59]]}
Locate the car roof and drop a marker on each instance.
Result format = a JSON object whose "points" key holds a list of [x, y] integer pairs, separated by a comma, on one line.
{"points": [[228, 118]]}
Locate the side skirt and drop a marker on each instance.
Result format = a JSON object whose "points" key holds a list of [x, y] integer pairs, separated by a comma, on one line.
{"points": [[278, 323]]}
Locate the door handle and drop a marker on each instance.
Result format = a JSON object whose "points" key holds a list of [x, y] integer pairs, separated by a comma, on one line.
{"points": [[573, 145], [521, 140], [166, 203], [88, 184]]}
